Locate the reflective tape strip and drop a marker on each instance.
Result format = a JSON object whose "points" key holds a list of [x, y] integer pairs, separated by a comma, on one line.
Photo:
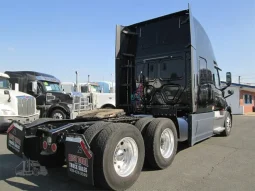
{"points": [[10, 128], [85, 150], [18, 126], [72, 139]]}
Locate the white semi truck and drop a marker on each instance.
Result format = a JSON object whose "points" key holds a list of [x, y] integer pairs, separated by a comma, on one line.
{"points": [[15, 105], [98, 99]]}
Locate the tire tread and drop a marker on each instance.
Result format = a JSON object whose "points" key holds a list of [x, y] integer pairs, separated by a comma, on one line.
{"points": [[93, 130], [150, 142], [142, 123], [98, 147], [149, 139]]}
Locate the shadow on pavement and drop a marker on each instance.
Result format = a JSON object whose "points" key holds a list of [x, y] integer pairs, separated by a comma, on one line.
{"points": [[57, 179], [8, 162], [181, 146]]}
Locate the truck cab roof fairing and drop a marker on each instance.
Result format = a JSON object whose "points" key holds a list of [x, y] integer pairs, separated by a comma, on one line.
{"points": [[199, 38], [36, 75], [4, 75], [48, 79]]}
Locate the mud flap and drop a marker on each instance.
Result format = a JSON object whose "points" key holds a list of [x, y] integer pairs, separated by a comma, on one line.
{"points": [[79, 158], [15, 138]]}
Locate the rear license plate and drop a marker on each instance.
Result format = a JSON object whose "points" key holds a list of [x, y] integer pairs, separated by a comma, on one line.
{"points": [[79, 159], [15, 138]]}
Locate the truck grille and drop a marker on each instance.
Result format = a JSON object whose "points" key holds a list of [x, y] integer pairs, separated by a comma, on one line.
{"points": [[76, 99], [26, 105], [80, 103]]}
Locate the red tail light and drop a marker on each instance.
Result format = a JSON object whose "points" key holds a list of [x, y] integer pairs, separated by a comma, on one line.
{"points": [[54, 147], [45, 145], [85, 149]]}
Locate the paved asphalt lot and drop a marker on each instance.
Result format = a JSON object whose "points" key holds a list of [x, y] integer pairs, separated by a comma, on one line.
{"points": [[218, 163]]}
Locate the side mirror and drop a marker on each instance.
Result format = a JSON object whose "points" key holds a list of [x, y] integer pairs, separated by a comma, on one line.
{"points": [[34, 87], [228, 78], [6, 92], [230, 93]]}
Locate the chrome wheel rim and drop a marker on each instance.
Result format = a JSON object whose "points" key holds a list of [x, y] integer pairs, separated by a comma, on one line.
{"points": [[58, 116], [167, 143], [125, 156], [228, 124]]}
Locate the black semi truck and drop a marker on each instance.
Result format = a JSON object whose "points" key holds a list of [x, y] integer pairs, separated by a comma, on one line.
{"points": [[167, 85], [51, 100]]}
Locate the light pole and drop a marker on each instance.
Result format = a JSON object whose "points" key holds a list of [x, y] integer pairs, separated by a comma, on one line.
{"points": [[76, 85]]}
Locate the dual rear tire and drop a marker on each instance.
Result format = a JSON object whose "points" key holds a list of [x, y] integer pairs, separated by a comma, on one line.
{"points": [[120, 150], [160, 139]]}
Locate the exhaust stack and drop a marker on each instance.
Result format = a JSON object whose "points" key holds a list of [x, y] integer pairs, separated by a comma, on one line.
{"points": [[76, 84]]}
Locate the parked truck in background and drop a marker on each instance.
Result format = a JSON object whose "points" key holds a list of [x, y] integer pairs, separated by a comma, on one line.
{"points": [[94, 92], [168, 85], [51, 100], [15, 105], [107, 86], [98, 98]]}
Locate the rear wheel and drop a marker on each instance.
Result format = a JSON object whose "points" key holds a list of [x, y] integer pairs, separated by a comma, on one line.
{"points": [[108, 107], [118, 156], [93, 130], [160, 143], [143, 123]]}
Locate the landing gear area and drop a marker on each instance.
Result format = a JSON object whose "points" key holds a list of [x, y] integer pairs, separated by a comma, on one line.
{"points": [[30, 168]]}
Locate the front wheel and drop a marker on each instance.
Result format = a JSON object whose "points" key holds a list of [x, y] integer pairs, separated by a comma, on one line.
{"points": [[227, 125], [58, 114]]}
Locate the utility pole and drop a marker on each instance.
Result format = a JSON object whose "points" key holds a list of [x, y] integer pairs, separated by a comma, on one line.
{"points": [[76, 85], [239, 79]]}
